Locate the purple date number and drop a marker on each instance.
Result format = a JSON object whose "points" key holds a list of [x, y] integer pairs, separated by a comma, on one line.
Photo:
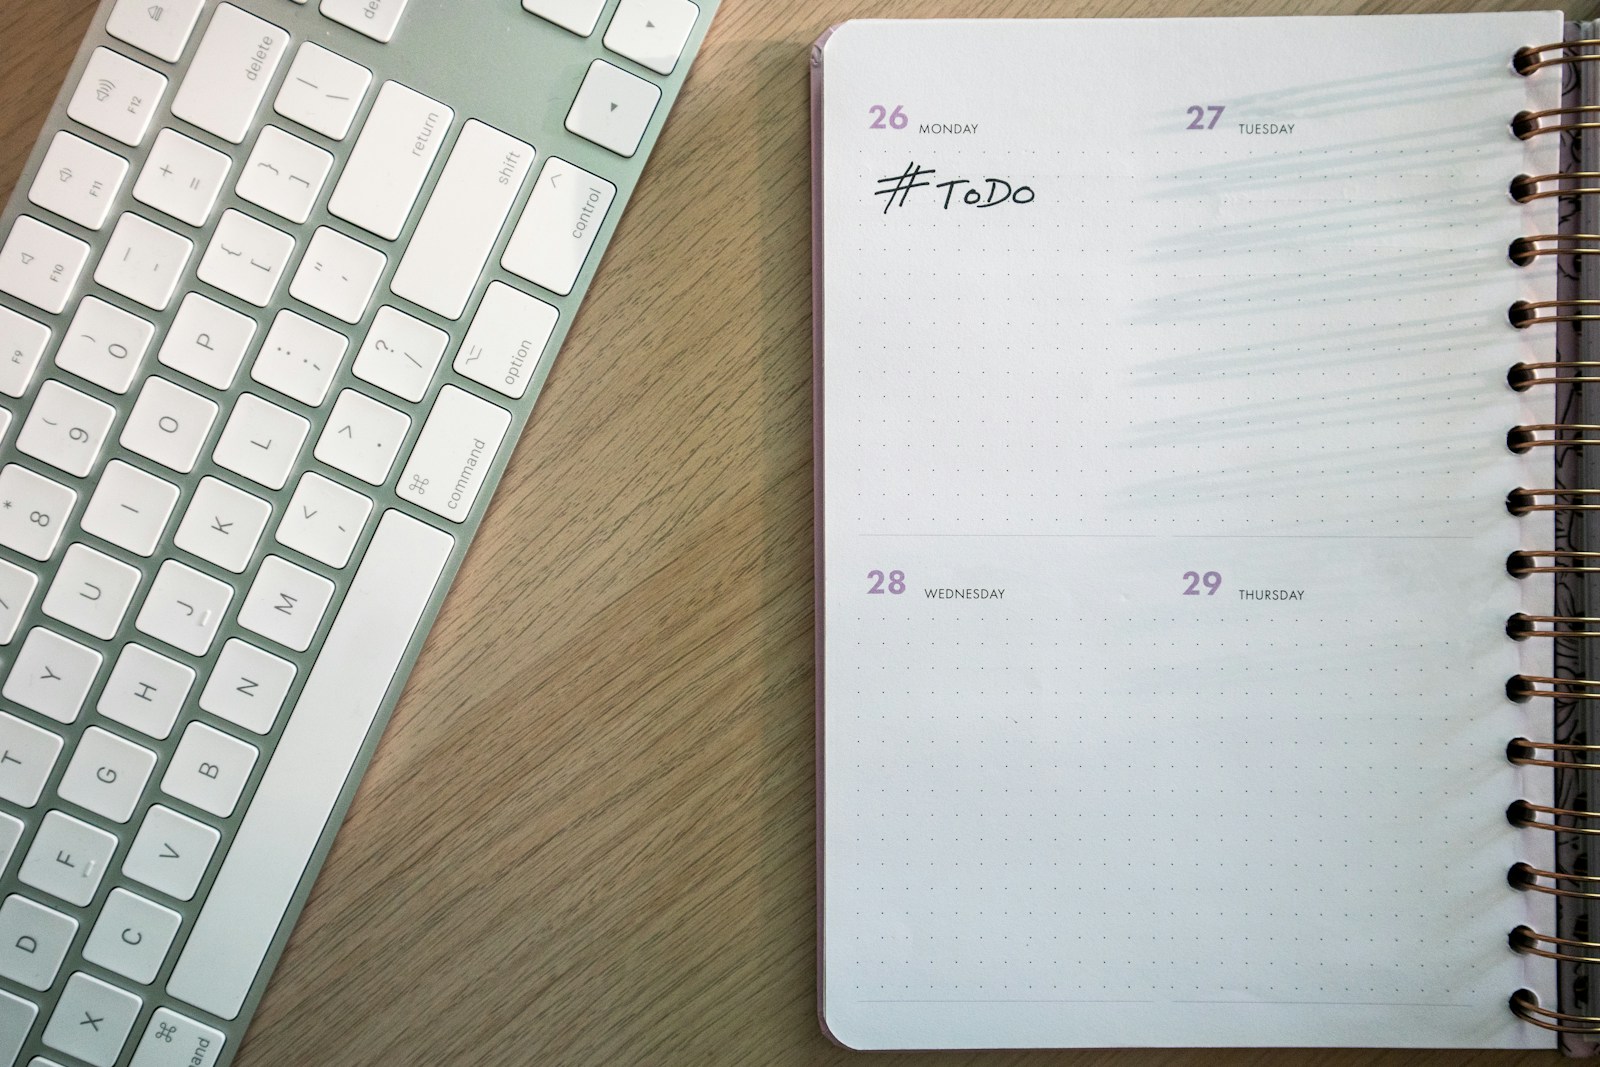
{"points": [[893, 583], [896, 119], [1199, 113], [1210, 579]]}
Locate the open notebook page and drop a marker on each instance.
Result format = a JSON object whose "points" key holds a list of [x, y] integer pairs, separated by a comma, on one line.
{"points": [[1164, 531]]}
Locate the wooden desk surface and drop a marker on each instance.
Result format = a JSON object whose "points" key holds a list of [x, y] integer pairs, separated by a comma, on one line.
{"points": [[587, 838]]}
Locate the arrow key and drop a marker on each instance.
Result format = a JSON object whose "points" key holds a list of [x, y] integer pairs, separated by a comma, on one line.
{"points": [[652, 32], [613, 108], [171, 853]]}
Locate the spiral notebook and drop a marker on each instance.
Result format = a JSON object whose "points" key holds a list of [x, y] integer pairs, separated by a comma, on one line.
{"points": [[1200, 546]]}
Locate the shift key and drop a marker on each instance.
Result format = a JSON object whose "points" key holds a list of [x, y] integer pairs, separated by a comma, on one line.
{"points": [[454, 452], [391, 160]]}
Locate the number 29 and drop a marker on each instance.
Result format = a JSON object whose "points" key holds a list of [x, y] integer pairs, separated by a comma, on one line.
{"points": [[1210, 579]]}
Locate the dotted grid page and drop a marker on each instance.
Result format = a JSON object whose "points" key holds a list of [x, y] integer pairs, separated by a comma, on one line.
{"points": [[1164, 458]]}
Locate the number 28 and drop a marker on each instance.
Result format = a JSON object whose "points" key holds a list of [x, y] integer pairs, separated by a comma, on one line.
{"points": [[1210, 579], [896, 583]]}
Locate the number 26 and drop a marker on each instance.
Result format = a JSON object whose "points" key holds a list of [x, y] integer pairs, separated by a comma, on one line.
{"points": [[897, 118], [1211, 579]]}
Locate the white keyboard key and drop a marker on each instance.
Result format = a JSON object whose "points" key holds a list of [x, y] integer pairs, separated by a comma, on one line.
{"points": [[41, 265], [284, 174], [16, 590], [362, 437], [16, 1019], [51, 675], [66, 428], [34, 941], [182, 177], [391, 160], [33, 511], [144, 261], [299, 358], [401, 354], [229, 73], [613, 108], [184, 608], [160, 28], [68, 858], [170, 853], [325, 733], [579, 16], [506, 340], [145, 691], [261, 441], [209, 769], [105, 345], [207, 341], [169, 424], [338, 275], [78, 180], [172, 1040], [107, 774], [132, 936], [652, 33], [324, 520], [130, 508], [375, 18], [558, 227], [91, 591], [27, 756], [92, 1020], [223, 525], [285, 604], [22, 343], [117, 96], [246, 258], [453, 454], [10, 834], [463, 219], [247, 686], [323, 91]]}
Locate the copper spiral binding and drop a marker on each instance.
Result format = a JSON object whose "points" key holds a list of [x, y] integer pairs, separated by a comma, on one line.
{"points": [[1523, 501], [1524, 376], [1522, 812], [1523, 313], [1525, 1005], [1526, 124], [1529, 942], [1525, 187], [1521, 438], [1527, 60], [1520, 627], [1522, 563], [1523, 687], [1525, 250], [1525, 876], [1519, 749], [1559, 756]]}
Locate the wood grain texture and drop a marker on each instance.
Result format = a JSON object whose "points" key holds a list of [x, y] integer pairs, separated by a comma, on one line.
{"points": [[588, 836]]}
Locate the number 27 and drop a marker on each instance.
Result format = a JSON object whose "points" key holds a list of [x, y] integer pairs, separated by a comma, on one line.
{"points": [[1199, 113]]}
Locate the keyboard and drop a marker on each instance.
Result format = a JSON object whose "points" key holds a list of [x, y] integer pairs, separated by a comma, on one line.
{"points": [[279, 286]]}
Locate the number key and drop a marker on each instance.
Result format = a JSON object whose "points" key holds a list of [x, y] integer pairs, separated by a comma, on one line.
{"points": [[66, 429], [33, 511]]}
